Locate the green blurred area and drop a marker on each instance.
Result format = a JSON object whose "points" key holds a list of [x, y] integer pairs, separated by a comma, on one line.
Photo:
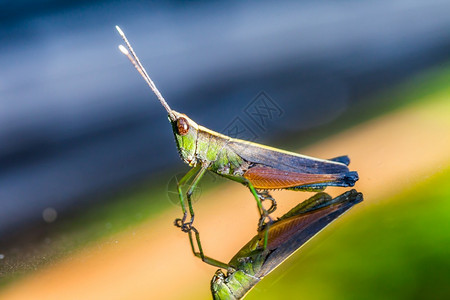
{"points": [[398, 248]]}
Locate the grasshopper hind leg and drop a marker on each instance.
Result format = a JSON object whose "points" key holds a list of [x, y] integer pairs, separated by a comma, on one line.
{"points": [[261, 196]]}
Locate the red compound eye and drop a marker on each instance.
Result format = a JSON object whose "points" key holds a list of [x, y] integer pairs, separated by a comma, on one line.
{"points": [[182, 126]]}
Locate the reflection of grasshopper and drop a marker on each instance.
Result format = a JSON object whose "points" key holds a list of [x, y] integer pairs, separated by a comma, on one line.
{"points": [[259, 167], [286, 235]]}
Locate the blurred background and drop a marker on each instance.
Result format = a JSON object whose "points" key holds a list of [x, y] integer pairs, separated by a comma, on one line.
{"points": [[87, 156]]}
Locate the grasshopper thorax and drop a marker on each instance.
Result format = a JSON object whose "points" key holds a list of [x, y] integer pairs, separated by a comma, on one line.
{"points": [[185, 131]]}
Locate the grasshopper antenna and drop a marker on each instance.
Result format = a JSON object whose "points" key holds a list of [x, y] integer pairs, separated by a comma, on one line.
{"points": [[140, 68]]}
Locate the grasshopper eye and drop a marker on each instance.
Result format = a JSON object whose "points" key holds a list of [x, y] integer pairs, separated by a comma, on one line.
{"points": [[182, 126]]}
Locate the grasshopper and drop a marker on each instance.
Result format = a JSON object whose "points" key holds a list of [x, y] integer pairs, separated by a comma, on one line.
{"points": [[287, 235], [260, 168]]}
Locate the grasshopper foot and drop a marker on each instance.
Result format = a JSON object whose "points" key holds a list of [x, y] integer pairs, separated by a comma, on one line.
{"points": [[185, 226], [262, 223], [263, 196], [265, 216]]}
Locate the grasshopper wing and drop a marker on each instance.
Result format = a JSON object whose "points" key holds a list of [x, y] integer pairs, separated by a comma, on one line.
{"points": [[263, 177], [273, 168]]}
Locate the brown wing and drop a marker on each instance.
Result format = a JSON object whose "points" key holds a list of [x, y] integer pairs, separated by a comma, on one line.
{"points": [[263, 177], [281, 231]]}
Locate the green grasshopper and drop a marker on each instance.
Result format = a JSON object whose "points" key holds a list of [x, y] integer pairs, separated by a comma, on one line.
{"points": [[260, 168], [286, 236]]}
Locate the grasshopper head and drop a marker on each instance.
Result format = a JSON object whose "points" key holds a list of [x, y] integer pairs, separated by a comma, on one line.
{"points": [[185, 131]]}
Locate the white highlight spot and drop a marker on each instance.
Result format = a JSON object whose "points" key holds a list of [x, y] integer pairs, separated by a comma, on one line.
{"points": [[123, 50], [2, 256], [119, 30], [49, 214]]}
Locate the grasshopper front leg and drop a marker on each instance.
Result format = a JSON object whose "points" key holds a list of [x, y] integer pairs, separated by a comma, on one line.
{"points": [[180, 222], [190, 192], [187, 226]]}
